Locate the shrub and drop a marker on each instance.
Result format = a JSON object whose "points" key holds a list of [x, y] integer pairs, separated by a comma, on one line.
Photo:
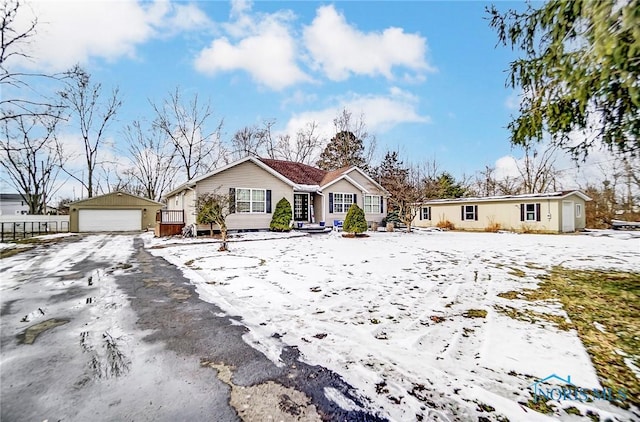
{"points": [[445, 224], [391, 217], [355, 221], [281, 221], [493, 227]]}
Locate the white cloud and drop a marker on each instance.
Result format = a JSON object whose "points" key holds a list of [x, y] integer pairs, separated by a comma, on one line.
{"points": [[70, 32], [266, 49], [380, 113], [340, 49]]}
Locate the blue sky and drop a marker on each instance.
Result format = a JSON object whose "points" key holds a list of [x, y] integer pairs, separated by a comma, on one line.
{"points": [[427, 76]]}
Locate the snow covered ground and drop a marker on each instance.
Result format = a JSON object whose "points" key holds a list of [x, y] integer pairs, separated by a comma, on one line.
{"points": [[390, 313]]}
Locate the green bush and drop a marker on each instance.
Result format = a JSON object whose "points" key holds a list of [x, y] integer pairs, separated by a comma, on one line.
{"points": [[281, 217], [355, 221]]}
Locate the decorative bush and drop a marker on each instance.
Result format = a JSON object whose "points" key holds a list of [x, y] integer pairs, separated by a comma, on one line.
{"points": [[355, 221], [281, 217]]}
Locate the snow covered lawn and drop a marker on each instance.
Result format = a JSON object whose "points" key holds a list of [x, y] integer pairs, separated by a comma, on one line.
{"points": [[413, 320]]}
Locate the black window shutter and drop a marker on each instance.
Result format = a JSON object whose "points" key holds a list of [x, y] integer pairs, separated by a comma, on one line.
{"points": [[537, 212], [381, 204], [521, 212], [232, 200], [331, 202], [355, 199], [421, 211], [475, 212], [269, 201], [462, 212], [429, 215]]}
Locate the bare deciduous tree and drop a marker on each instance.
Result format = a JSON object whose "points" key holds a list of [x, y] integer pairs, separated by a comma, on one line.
{"points": [[32, 157], [537, 170], [305, 147], [92, 114], [187, 125], [213, 209], [153, 160], [18, 99]]}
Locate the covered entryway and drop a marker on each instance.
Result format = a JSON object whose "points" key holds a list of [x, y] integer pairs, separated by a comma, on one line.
{"points": [[109, 220], [113, 212], [568, 217]]}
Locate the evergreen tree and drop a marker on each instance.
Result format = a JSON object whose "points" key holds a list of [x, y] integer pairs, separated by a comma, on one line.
{"points": [[391, 171], [282, 217], [579, 72], [344, 149], [355, 221]]}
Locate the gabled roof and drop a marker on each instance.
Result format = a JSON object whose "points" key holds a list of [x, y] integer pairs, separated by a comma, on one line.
{"points": [[332, 175], [116, 193], [298, 173], [506, 198]]}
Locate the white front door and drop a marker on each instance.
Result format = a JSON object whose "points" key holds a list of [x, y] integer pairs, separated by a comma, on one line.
{"points": [[107, 220], [568, 217]]}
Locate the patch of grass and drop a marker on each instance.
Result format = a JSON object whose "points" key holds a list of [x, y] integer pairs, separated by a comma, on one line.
{"points": [[573, 411], [517, 272], [7, 253], [609, 298], [533, 317], [475, 313], [189, 262], [612, 299], [511, 294], [539, 406]]}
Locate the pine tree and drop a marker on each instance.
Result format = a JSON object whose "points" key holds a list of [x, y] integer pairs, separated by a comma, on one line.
{"points": [[282, 217], [344, 149], [355, 221]]}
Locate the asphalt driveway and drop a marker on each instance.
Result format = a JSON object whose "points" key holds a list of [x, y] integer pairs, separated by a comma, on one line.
{"points": [[96, 328]]}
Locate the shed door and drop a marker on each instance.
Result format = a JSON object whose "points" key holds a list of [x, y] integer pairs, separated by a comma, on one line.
{"points": [[568, 217], [109, 220]]}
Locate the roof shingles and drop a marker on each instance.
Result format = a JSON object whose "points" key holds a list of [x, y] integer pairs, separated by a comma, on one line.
{"points": [[297, 172]]}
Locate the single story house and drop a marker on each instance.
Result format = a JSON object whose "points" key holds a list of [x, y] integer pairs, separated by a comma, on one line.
{"points": [[255, 185], [556, 212], [13, 204], [116, 211]]}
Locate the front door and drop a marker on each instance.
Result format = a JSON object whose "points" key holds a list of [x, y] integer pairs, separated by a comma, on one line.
{"points": [[301, 206], [568, 217]]}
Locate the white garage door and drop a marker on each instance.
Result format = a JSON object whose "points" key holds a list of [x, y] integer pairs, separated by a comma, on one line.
{"points": [[109, 220]]}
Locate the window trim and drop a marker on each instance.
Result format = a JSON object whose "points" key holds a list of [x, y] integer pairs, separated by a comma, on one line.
{"points": [[578, 210], [422, 213], [527, 212], [335, 203], [378, 206], [470, 215], [250, 201]]}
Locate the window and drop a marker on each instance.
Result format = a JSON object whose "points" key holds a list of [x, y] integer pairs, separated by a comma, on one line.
{"points": [[342, 202], [578, 210], [251, 200], [469, 212], [425, 213], [530, 212], [372, 204]]}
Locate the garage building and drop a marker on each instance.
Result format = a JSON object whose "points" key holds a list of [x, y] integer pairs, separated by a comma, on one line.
{"points": [[113, 212]]}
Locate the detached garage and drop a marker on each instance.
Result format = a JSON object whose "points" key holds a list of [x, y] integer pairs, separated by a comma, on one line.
{"points": [[113, 212]]}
